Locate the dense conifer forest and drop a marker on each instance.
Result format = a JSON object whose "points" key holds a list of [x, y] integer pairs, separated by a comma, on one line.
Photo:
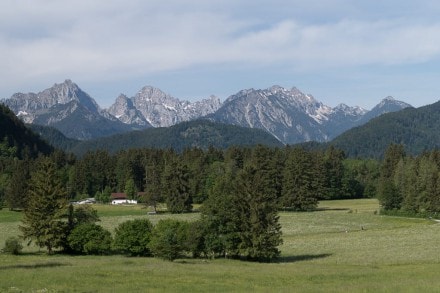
{"points": [[415, 128]]}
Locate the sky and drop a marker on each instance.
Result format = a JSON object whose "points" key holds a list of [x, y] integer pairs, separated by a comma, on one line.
{"points": [[341, 51]]}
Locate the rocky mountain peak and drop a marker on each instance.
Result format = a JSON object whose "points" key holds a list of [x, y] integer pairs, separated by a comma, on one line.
{"points": [[276, 89], [153, 106], [66, 92], [123, 100], [295, 91], [31, 105], [390, 102], [348, 110], [342, 107], [149, 93]]}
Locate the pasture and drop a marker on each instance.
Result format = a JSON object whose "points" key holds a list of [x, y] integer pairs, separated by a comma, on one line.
{"points": [[345, 246]]}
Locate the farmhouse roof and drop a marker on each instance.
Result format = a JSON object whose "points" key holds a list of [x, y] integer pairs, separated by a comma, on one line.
{"points": [[118, 195], [122, 195]]}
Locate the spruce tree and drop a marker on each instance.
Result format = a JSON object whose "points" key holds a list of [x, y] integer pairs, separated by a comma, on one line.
{"points": [[176, 189], [130, 189], [153, 190], [389, 195], [334, 172], [428, 178], [256, 201], [222, 218], [300, 185], [17, 187], [46, 205]]}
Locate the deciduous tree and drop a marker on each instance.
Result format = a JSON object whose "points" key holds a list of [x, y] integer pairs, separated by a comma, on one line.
{"points": [[133, 237]]}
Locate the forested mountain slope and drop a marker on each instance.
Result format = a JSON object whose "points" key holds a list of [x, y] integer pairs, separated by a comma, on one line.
{"points": [[54, 137], [417, 129], [199, 133], [16, 140]]}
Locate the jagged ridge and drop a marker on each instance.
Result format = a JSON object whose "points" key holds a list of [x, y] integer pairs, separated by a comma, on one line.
{"points": [[288, 114]]}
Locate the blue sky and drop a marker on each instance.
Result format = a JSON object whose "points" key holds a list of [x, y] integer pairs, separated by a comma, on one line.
{"points": [[340, 51]]}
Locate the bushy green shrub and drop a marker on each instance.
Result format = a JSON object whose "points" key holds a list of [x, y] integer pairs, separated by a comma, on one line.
{"points": [[12, 246], [195, 238], [84, 214], [132, 237], [90, 238], [168, 238]]}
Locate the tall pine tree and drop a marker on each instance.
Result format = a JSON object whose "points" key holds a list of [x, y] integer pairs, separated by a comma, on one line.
{"points": [[17, 187], [389, 196], [301, 182], [256, 201], [46, 205], [176, 188]]}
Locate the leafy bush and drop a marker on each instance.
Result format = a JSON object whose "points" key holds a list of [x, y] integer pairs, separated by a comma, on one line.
{"points": [[132, 237], [76, 216], [12, 246], [83, 214], [168, 238], [90, 238]]}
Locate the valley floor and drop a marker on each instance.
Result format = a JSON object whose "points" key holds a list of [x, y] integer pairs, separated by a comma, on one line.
{"points": [[345, 246]]}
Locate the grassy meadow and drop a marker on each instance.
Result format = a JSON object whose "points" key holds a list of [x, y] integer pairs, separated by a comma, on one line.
{"points": [[344, 246]]}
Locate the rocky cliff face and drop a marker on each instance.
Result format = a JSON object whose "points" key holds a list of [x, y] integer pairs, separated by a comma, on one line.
{"points": [[68, 108], [153, 106], [31, 105], [387, 105], [286, 114], [124, 110], [294, 117]]}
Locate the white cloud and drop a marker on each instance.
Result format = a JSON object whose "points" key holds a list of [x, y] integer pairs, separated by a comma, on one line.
{"points": [[107, 40]]}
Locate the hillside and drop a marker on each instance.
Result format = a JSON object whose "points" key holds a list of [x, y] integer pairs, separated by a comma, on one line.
{"points": [[16, 140], [418, 129], [199, 133], [53, 136]]}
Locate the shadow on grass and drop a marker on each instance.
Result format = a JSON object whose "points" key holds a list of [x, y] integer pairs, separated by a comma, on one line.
{"points": [[304, 257], [324, 209], [33, 266]]}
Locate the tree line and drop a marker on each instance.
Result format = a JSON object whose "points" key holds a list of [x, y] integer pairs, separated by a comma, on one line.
{"points": [[299, 177], [410, 185]]}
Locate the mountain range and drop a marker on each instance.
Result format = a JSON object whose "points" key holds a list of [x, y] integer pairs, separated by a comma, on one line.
{"points": [[288, 114]]}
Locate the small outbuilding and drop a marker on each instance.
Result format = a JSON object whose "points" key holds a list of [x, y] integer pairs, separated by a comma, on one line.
{"points": [[121, 198]]}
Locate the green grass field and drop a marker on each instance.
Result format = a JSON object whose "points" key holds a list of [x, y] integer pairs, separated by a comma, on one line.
{"points": [[344, 246]]}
